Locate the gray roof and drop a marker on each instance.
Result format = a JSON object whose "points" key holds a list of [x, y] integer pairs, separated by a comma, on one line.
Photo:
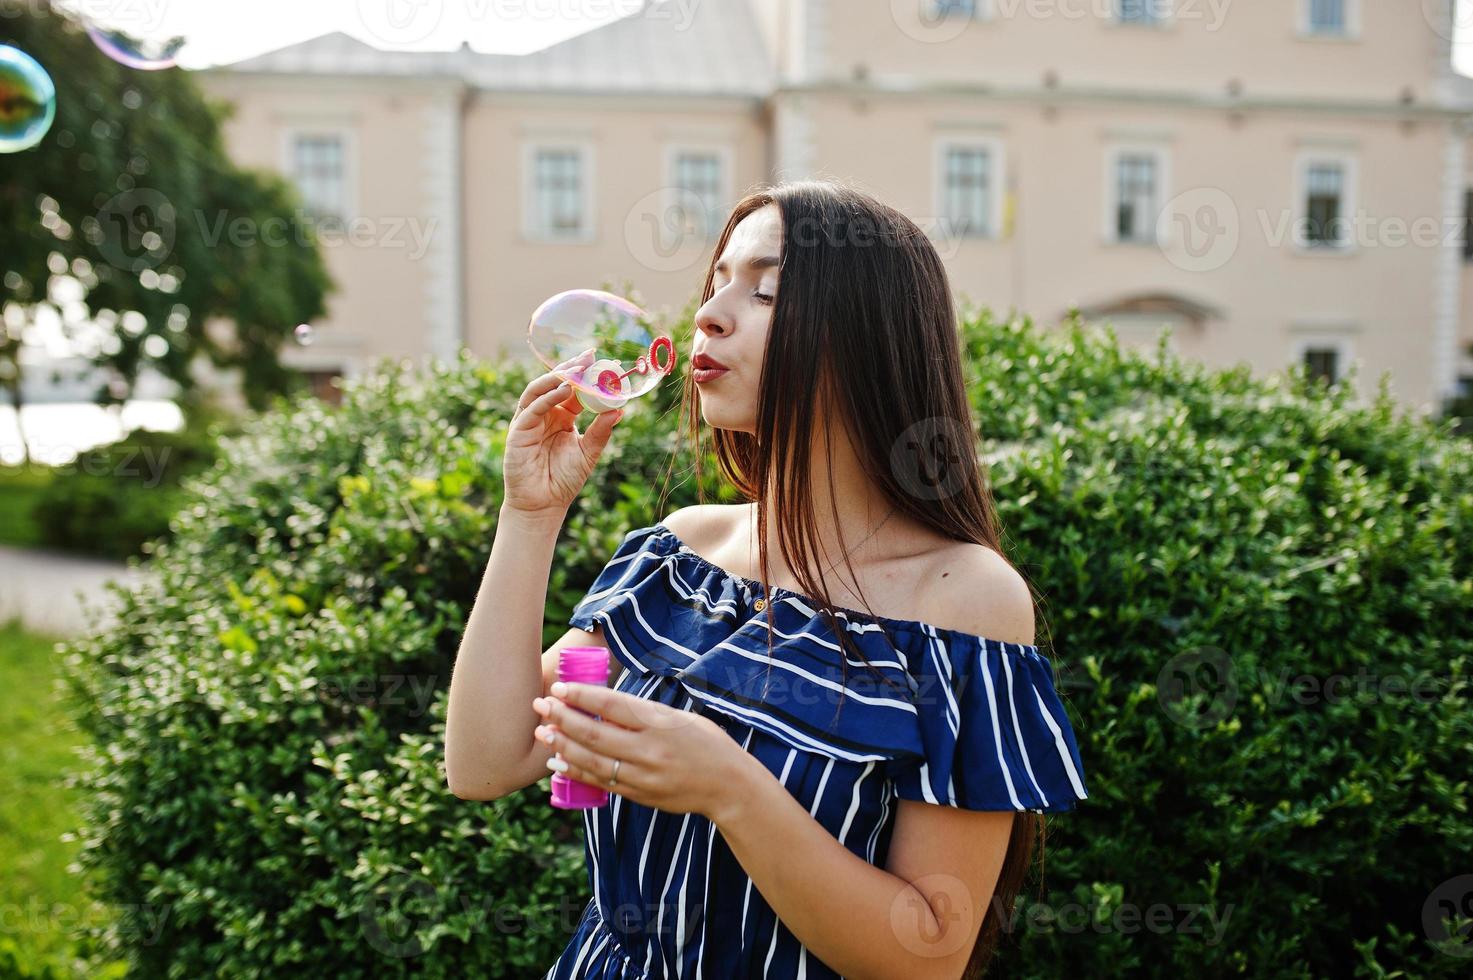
{"points": [[718, 50]]}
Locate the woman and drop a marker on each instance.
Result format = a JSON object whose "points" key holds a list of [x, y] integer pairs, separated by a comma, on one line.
{"points": [[797, 788]]}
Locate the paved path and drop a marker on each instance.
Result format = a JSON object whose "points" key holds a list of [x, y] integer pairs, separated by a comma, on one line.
{"points": [[48, 589]]}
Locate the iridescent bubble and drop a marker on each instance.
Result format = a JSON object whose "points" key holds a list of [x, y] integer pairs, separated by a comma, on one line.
{"points": [[143, 53], [602, 345], [27, 100], [303, 334]]}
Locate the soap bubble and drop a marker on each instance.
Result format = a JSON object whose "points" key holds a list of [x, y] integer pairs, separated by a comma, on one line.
{"points": [[303, 334], [602, 345], [27, 100], [143, 53]]}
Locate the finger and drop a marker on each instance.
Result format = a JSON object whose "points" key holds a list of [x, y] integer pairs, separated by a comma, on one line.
{"points": [[538, 387], [568, 724], [588, 767], [620, 708], [549, 400], [580, 360], [598, 433]]}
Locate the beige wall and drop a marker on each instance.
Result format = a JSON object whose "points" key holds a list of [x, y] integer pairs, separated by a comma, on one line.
{"points": [[455, 174], [1208, 43], [509, 274], [1382, 295], [393, 255]]}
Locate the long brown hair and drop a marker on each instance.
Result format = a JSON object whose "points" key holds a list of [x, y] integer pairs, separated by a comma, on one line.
{"points": [[864, 320]]}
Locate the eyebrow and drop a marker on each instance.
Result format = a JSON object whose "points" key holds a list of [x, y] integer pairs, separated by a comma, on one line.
{"points": [[761, 262]]}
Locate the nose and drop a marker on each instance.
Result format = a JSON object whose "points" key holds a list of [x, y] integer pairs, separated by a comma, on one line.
{"points": [[711, 320]]}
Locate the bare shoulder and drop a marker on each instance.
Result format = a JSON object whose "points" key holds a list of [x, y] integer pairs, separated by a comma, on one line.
{"points": [[972, 588], [704, 527]]}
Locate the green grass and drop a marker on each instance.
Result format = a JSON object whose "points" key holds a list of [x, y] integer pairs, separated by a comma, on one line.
{"points": [[20, 488], [43, 900]]}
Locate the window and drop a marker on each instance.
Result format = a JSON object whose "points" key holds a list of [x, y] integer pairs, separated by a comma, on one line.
{"points": [[956, 8], [559, 198], [1468, 224], [970, 186], [1325, 191], [699, 175], [319, 168], [1322, 363], [1329, 18], [1141, 11], [1136, 200], [325, 384], [1325, 350]]}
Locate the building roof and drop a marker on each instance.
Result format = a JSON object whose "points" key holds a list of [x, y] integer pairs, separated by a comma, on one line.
{"points": [[668, 47]]}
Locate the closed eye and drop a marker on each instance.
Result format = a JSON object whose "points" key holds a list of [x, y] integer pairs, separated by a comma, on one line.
{"points": [[762, 298]]}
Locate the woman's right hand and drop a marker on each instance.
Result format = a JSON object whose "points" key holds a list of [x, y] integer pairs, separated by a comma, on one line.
{"points": [[547, 460]]}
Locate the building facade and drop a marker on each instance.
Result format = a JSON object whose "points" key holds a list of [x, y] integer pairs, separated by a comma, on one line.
{"points": [[1278, 183]]}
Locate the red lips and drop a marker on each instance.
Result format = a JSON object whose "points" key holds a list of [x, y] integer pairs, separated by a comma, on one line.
{"points": [[707, 361]]}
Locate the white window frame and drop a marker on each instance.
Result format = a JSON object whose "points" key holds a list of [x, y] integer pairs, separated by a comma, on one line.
{"points": [[1352, 23], [1349, 200], [1111, 196], [1165, 14], [996, 196], [726, 183], [349, 138], [532, 230]]}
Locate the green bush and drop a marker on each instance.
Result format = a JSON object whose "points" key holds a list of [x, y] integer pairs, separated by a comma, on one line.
{"points": [[114, 498], [269, 712]]}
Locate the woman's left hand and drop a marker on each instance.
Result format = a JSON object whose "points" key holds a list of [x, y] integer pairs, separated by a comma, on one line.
{"points": [[674, 760]]}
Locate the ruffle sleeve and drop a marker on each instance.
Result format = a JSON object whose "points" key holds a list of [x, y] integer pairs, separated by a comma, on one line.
{"points": [[994, 728], [958, 719]]}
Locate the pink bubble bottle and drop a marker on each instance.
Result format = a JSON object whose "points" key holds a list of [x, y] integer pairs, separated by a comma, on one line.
{"points": [[583, 665]]}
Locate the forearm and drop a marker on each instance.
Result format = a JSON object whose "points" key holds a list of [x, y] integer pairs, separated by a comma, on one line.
{"points": [[498, 668], [861, 920]]}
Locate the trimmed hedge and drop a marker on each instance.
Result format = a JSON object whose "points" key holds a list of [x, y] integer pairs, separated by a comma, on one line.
{"points": [[267, 794]]}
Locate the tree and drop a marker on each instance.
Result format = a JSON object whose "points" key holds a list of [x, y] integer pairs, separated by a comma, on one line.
{"points": [[130, 195]]}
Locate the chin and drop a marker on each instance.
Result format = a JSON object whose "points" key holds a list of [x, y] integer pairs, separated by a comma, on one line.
{"points": [[717, 419]]}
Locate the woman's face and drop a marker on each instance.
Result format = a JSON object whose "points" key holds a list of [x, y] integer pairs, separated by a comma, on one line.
{"points": [[732, 326]]}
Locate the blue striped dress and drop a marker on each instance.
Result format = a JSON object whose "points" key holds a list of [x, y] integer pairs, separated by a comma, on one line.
{"points": [[959, 720]]}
